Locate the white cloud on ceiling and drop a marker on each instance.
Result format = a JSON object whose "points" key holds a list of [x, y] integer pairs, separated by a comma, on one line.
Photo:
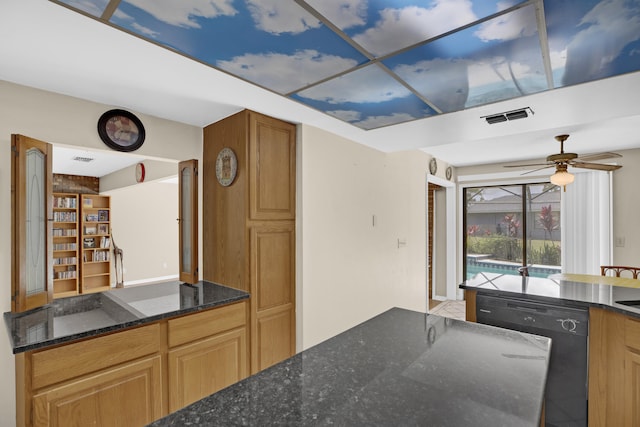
{"points": [[398, 28], [378, 121], [611, 25], [346, 115], [343, 13], [277, 16], [364, 86], [511, 26], [443, 81], [284, 73], [495, 70], [183, 13], [144, 30], [94, 8]]}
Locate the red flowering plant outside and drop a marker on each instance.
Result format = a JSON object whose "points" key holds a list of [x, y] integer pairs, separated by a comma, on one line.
{"points": [[548, 254], [547, 221]]}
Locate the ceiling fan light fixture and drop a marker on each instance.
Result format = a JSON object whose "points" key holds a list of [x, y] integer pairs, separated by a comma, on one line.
{"points": [[562, 177]]}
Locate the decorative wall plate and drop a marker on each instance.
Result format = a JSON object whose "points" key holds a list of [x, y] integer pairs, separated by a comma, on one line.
{"points": [[121, 130], [140, 172], [226, 166], [433, 166], [448, 173]]}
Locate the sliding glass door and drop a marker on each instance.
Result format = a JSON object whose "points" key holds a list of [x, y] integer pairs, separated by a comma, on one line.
{"points": [[512, 229]]}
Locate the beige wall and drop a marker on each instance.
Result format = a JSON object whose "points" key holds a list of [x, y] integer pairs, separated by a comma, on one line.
{"points": [[144, 226], [59, 119], [352, 269]]}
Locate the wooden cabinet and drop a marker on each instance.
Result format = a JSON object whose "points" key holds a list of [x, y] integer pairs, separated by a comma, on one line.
{"points": [[249, 226], [95, 232], [614, 369], [208, 353], [136, 376], [84, 383], [129, 395], [65, 244], [272, 255]]}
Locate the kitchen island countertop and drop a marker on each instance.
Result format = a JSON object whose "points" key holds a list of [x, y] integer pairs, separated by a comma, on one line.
{"points": [[398, 368]]}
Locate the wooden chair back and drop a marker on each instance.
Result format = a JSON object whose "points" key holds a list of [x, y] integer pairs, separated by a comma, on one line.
{"points": [[618, 269]]}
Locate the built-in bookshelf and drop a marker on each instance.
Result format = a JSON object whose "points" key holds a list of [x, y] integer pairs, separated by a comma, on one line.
{"points": [[65, 244], [95, 231]]}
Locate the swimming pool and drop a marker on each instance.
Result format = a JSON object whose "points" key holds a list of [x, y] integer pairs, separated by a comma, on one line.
{"points": [[473, 269]]}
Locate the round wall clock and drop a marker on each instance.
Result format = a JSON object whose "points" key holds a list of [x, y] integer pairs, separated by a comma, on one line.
{"points": [[226, 166], [121, 130], [448, 172], [140, 172], [433, 166]]}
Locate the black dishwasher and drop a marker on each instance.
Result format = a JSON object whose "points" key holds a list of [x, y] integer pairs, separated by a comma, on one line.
{"points": [[567, 389]]}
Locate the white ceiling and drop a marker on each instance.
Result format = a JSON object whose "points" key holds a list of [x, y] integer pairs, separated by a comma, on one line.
{"points": [[65, 161], [49, 47]]}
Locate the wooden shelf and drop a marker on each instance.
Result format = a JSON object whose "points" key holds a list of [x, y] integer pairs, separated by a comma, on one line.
{"points": [[95, 215], [65, 220]]}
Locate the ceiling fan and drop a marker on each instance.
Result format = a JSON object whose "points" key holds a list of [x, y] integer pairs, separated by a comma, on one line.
{"points": [[562, 161]]}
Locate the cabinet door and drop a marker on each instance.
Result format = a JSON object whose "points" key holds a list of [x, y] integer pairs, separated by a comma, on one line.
{"points": [[273, 294], [32, 215], [632, 389], [272, 159], [188, 220], [129, 395], [199, 369]]}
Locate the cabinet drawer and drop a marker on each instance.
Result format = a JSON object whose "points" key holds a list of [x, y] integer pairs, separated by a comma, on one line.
{"points": [[632, 332], [195, 326], [73, 360]]}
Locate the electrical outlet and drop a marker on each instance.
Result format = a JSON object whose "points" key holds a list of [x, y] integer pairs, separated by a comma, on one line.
{"points": [[619, 242]]}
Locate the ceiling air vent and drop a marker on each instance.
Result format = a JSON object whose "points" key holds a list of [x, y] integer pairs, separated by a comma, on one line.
{"points": [[83, 159], [508, 115]]}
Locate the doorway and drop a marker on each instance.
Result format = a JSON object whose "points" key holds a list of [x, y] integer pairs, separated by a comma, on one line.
{"points": [[436, 245], [441, 241]]}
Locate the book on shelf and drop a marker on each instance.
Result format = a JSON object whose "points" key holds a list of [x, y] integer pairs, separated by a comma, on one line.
{"points": [[105, 242], [64, 202], [64, 216], [64, 232], [101, 256]]}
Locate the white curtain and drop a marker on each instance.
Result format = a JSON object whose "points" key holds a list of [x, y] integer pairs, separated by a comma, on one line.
{"points": [[586, 223]]}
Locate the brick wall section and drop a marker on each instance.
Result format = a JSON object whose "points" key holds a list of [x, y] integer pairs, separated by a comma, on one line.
{"points": [[75, 184]]}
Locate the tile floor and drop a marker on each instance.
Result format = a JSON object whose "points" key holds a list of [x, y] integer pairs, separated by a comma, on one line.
{"points": [[450, 308]]}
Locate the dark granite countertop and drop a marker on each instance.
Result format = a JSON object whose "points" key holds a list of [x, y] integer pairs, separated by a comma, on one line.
{"points": [[400, 368], [73, 318], [564, 289]]}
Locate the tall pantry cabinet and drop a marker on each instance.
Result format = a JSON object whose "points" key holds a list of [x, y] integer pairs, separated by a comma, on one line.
{"points": [[249, 224]]}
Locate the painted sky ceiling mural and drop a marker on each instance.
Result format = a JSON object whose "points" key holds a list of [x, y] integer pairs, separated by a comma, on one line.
{"points": [[375, 63]]}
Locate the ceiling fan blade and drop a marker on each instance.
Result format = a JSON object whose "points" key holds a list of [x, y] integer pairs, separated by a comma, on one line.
{"points": [[536, 170], [598, 156], [595, 166], [546, 165]]}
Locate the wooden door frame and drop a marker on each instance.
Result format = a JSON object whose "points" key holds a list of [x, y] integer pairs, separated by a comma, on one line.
{"points": [[451, 233]]}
